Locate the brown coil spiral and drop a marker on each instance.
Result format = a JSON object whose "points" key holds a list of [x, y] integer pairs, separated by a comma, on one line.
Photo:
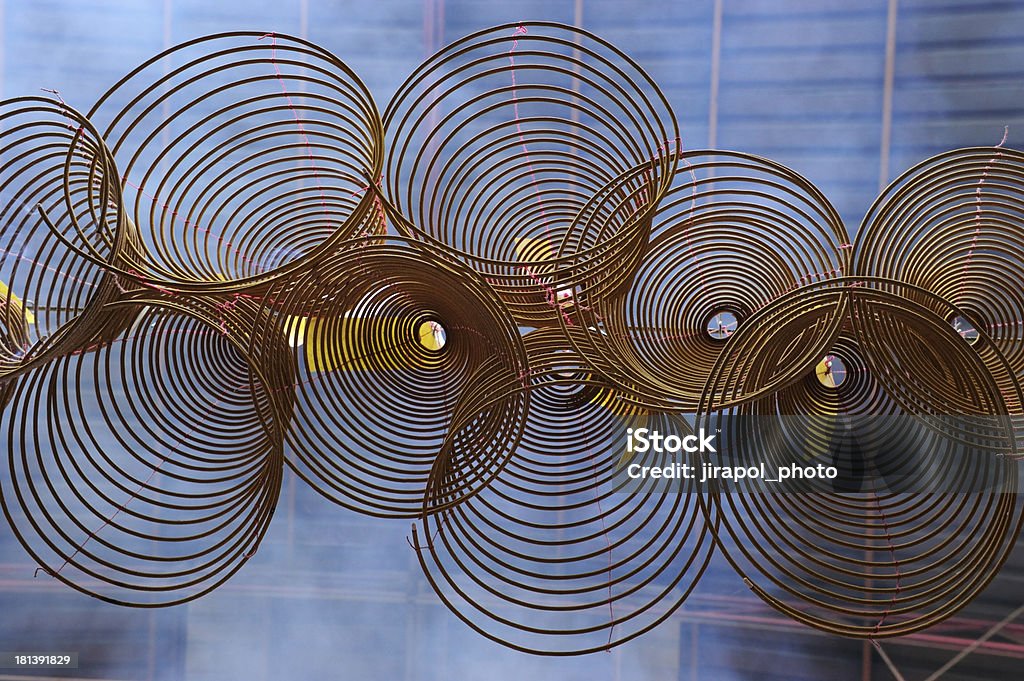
{"points": [[926, 510], [497, 142], [242, 156], [554, 556], [733, 233], [146, 472], [58, 200], [384, 339], [952, 225]]}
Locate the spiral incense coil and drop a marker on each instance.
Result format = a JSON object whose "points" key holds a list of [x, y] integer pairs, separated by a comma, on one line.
{"points": [[734, 233], [926, 510], [59, 226], [242, 156], [146, 472], [554, 557], [498, 141], [952, 225], [384, 337]]}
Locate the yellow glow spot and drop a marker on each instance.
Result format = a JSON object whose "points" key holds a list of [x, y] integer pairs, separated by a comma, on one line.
{"points": [[325, 348], [431, 335], [17, 308], [534, 250]]}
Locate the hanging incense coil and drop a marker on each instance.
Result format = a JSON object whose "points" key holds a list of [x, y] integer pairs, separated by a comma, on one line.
{"points": [[146, 472], [60, 225], [952, 225], [555, 556], [734, 233], [242, 157], [497, 142], [385, 336], [925, 511]]}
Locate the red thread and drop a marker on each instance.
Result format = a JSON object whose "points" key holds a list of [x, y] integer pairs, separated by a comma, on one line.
{"points": [[378, 206], [693, 208], [4, 252], [896, 564], [298, 121], [223, 307], [143, 281], [977, 211], [66, 111], [521, 30]]}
